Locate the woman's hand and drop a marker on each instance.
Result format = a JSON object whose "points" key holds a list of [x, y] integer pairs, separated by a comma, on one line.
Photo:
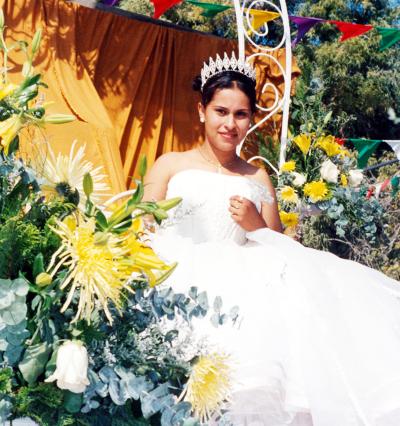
{"points": [[245, 214]]}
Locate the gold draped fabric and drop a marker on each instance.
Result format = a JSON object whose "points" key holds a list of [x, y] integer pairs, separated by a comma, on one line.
{"points": [[127, 80]]}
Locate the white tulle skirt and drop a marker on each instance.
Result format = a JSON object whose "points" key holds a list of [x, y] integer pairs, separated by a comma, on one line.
{"points": [[317, 341]]}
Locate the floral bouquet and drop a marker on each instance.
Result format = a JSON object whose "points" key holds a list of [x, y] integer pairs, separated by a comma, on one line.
{"points": [[319, 167], [87, 335]]}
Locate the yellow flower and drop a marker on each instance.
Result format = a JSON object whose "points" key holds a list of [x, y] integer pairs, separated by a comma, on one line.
{"points": [[96, 270], [316, 190], [68, 170], [289, 195], [100, 264], [343, 179], [288, 166], [289, 219], [9, 130], [303, 142], [143, 258], [329, 145], [6, 89], [209, 385]]}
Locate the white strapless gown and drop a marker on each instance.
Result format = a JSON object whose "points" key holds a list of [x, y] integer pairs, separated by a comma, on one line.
{"points": [[318, 340]]}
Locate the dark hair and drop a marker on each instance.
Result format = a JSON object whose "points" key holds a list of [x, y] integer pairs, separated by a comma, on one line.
{"points": [[226, 80]]}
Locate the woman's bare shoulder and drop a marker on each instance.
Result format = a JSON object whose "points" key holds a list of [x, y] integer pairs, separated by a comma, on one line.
{"points": [[167, 164], [259, 175]]}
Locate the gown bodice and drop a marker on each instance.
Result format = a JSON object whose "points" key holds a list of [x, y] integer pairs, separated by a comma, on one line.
{"points": [[203, 214]]}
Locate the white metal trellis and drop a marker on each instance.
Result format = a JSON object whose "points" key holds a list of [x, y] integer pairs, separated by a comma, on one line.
{"points": [[245, 32]]}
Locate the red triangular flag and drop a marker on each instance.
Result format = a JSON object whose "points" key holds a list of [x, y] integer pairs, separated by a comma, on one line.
{"points": [[160, 6], [350, 30]]}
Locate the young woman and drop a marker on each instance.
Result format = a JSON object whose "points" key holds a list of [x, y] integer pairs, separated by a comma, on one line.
{"points": [[317, 340]]}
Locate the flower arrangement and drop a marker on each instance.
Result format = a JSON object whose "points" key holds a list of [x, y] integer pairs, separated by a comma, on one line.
{"points": [[87, 335], [317, 167]]}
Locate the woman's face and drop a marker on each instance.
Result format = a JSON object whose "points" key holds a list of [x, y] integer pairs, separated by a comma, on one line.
{"points": [[226, 118]]}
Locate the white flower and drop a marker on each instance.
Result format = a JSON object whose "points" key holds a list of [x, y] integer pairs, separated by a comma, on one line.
{"points": [[58, 171], [355, 177], [299, 179], [71, 367], [329, 171]]}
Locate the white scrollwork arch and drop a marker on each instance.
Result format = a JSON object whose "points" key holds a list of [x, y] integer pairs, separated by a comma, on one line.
{"points": [[245, 32]]}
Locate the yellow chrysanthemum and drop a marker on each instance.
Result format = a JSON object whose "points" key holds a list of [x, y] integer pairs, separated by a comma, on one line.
{"points": [[329, 145], [289, 219], [9, 130], [316, 190], [95, 265], [59, 170], [288, 166], [289, 195], [303, 142], [100, 264], [209, 385], [343, 179]]}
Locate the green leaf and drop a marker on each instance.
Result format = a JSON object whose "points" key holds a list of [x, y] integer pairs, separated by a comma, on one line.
{"points": [[5, 410], [1, 20], [34, 361], [88, 184], [101, 220], [36, 41], [20, 287], [143, 166], [38, 265], [327, 117], [29, 81], [15, 314], [72, 401], [137, 196]]}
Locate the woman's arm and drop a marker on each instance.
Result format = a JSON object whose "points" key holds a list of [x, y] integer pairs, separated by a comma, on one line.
{"points": [[245, 213], [156, 180], [269, 211]]}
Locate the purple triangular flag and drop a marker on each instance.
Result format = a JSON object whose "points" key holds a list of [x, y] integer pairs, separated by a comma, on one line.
{"points": [[110, 2], [303, 25]]}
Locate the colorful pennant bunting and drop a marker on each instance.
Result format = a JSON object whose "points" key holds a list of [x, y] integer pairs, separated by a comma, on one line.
{"points": [[261, 17], [350, 30], [390, 36], [160, 6], [304, 24], [365, 148], [210, 9]]}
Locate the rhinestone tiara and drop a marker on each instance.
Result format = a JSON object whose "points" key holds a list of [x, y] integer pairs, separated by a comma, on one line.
{"points": [[221, 65]]}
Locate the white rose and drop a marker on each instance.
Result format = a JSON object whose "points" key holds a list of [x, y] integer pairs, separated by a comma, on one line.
{"points": [[71, 367], [329, 171], [355, 177], [299, 179]]}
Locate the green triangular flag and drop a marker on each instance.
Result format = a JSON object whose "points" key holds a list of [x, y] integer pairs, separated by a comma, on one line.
{"points": [[365, 148], [210, 9], [390, 36]]}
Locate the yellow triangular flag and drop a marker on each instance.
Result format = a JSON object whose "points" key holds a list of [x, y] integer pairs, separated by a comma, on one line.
{"points": [[261, 17]]}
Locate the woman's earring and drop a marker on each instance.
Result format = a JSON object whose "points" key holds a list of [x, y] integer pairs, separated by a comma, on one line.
{"points": [[202, 120]]}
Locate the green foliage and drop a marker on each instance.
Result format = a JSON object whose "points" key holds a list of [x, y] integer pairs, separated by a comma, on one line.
{"points": [[360, 229], [5, 381], [20, 242], [353, 79]]}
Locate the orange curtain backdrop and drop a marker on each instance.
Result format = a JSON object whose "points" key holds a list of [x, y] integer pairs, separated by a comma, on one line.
{"points": [[70, 86], [127, 80]]}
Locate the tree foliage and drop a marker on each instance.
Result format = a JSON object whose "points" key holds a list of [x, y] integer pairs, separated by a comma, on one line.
{"points": [[353, 79]]}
